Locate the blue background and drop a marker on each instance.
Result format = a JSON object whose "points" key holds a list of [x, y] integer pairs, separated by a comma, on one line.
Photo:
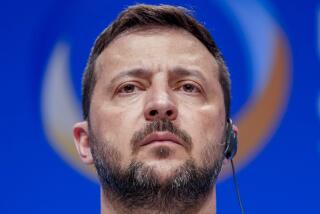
{"points": [[282, 178]]}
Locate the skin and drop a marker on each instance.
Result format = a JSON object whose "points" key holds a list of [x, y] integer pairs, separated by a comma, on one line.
{"points": [[178, 79]]}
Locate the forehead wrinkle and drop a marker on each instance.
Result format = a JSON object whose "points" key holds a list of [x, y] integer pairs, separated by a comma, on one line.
{"points": [[135, 72], [155, 30]]}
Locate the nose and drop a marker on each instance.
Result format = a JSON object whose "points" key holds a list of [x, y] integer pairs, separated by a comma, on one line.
{"points": [[160, 106]]}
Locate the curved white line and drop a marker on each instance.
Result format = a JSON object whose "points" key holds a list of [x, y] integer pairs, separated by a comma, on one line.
{"points": [[60, 109], [259, 32]]}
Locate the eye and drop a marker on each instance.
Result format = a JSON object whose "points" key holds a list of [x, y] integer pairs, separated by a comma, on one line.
{"points": [[190, 88], [128, 89]]}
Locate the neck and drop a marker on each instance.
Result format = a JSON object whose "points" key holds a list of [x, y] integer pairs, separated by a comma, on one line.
{"points": [[206, 206]]}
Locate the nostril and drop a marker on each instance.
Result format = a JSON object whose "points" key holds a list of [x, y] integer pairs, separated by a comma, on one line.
{"points": [[169, 112], [153, 112]]}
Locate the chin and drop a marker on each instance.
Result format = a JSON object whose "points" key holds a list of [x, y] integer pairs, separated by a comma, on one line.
{"points": [[165, 169]]}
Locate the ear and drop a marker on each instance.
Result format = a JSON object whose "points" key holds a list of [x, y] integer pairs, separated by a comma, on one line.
{"points": [[81, 140], [235, 129]]}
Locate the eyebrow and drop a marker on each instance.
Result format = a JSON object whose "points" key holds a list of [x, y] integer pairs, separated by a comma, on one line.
{"points": [[182, 72], [135, 72], [176, 72]]}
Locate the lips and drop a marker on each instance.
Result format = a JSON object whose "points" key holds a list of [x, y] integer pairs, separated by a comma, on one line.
{"points": [[160, 137]]}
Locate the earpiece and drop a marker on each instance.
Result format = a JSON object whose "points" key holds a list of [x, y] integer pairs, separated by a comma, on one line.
{"points": [[231, 141], [229, 152]]}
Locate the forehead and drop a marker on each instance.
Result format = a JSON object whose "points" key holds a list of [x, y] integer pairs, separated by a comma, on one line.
{"points": [[158, 48]]}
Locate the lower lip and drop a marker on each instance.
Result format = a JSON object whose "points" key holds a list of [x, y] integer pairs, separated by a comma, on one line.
{"points": [[162, 142]]}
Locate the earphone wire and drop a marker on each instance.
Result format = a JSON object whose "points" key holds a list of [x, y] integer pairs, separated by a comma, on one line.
{"points": [[236, 187]]}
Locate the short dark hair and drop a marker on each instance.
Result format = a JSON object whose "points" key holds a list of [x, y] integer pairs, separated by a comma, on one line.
{"points": [[142, 15]]}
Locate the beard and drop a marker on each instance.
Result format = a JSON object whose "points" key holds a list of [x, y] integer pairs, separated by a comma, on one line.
{"points": [[138, 189]]}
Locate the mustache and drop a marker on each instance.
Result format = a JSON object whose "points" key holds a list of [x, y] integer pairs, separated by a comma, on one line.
{"points": [[161, 126]]}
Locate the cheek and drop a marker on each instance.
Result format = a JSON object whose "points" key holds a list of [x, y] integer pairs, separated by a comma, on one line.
{"points": [[212, 118], [115, 125], [205, 125]]}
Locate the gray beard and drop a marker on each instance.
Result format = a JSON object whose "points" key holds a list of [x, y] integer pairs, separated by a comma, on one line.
{"points": [[137, 188]]}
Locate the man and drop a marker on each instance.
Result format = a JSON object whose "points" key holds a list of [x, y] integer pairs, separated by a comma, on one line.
{"points": [[156, 102]]}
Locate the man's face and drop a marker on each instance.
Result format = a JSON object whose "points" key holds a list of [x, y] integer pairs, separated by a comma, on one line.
{"points": [[153, 75]]}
